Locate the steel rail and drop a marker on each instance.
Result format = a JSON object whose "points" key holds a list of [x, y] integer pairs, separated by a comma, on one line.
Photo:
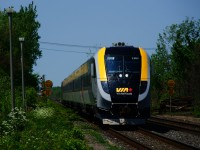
{"points": [[167, 140], [127, 140], [178, 125]]}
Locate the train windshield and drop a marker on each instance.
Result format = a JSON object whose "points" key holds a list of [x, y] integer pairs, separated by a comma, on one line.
{"points": [[120, 64], [114, 64], [131, 64]]}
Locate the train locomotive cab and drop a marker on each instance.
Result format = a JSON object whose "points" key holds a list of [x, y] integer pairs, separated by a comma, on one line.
{"points": [[123, 81], [113, 85]]}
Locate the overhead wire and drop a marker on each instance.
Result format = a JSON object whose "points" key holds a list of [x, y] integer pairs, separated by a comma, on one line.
{"points": [[68, 51], [77, 45], [69, 45]]}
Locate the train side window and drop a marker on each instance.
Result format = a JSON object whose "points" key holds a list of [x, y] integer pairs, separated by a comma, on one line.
{"points": [[93, 74]]}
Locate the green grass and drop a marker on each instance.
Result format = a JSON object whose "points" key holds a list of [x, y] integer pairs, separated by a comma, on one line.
{"points": [[95, 133], [49, 126]]}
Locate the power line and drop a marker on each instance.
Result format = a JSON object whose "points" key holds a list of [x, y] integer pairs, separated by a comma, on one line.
{"points": [[69, 45], [66, 51], [81, 46]]}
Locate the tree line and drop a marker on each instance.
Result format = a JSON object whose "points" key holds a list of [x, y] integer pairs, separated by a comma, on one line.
{"points": [[24, 24], [177, 57]]}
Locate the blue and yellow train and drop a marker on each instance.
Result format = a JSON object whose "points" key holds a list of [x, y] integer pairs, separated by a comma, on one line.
{"points": [[113, 85]]}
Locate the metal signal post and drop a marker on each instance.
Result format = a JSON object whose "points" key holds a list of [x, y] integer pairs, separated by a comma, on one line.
{"points": [[21, 39]]}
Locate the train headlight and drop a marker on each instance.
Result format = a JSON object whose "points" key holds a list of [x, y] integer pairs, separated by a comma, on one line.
{"points": [[104, 85], [120, 75], [126, 75]]}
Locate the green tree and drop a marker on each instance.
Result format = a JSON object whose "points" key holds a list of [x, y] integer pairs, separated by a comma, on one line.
{"points": [[161, 69], [185, 39], [177, 57], [24, 25]]}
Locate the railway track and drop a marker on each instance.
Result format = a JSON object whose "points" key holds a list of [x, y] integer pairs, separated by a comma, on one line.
{"points": [[144, 139], [176, 125], [140, 138], [171, 142], [130, 141]]}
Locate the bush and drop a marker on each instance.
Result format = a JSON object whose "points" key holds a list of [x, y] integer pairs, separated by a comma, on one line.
{"points": [[16, 122], [77, 134], [74, 144], [31, 97], [49, 126]]}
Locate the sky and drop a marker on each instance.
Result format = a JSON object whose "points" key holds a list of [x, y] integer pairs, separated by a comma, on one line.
{"points": [[79, 27]]}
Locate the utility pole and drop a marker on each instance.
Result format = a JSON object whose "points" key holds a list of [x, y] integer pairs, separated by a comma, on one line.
{"points": [[21, 39], [10, 12]]}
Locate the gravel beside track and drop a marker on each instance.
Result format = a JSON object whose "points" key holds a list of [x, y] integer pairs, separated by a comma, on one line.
{"points": [[183, 137], [148, 141], [178, 135]]}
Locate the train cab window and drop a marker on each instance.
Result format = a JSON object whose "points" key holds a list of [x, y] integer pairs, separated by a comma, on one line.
{"points": [[119, 64], [132, 64], [114, 64]]}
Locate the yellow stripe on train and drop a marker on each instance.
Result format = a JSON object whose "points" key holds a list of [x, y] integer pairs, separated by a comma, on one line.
{"points": [[101, 64], [144, 69]]}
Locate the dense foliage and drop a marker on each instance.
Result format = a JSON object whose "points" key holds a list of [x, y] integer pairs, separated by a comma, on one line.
{"points": [[5, 104], [47, 127], [177, 57], [24, 24], [56, 93]]}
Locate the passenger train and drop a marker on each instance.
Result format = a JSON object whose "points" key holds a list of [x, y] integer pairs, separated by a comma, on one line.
{"points": [[113, 86]]}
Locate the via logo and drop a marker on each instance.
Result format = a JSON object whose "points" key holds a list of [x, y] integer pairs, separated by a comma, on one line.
{"points": [[124, 90]]}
